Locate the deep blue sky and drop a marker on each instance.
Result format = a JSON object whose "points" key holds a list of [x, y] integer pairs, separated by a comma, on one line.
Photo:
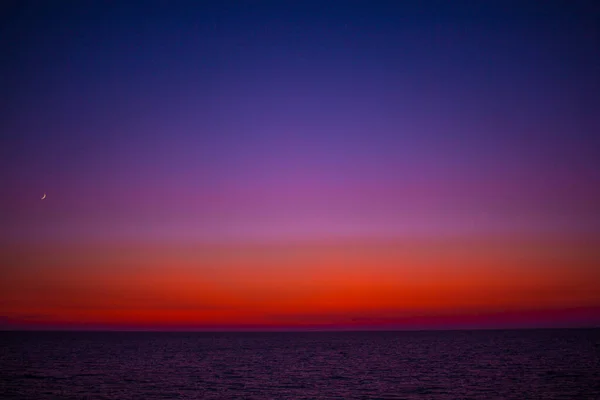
{"points": [[380, 114]]}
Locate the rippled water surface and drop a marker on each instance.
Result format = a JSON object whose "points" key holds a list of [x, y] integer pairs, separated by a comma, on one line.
{"points": [[528, 364]]}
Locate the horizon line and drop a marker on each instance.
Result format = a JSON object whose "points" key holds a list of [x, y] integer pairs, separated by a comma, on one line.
{"points": [[306, 330]]}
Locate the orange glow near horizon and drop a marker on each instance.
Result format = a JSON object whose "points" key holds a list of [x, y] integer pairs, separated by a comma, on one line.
{"points": [[332, 284], [290, 165]]}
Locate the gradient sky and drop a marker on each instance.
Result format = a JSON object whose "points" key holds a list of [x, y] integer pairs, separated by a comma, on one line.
{"points": [[299, 164]]}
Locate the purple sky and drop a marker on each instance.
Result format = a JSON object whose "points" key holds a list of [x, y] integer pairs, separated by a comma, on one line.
{"points": [[301, 118], [250, 122]]}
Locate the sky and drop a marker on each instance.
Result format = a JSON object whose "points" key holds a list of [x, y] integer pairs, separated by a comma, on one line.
{"points": [[299, 164]]}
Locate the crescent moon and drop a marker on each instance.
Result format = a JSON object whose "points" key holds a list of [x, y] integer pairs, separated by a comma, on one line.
{"points": [[44, 196]]}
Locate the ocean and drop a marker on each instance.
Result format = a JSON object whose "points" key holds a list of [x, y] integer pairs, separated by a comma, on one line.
{"points": [[485, 364]]}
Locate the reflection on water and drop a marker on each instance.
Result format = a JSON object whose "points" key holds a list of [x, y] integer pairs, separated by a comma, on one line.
{"points": [[527, 364]]}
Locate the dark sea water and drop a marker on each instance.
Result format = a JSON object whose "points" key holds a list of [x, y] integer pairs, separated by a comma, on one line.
{"points": [[518, 364]]}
